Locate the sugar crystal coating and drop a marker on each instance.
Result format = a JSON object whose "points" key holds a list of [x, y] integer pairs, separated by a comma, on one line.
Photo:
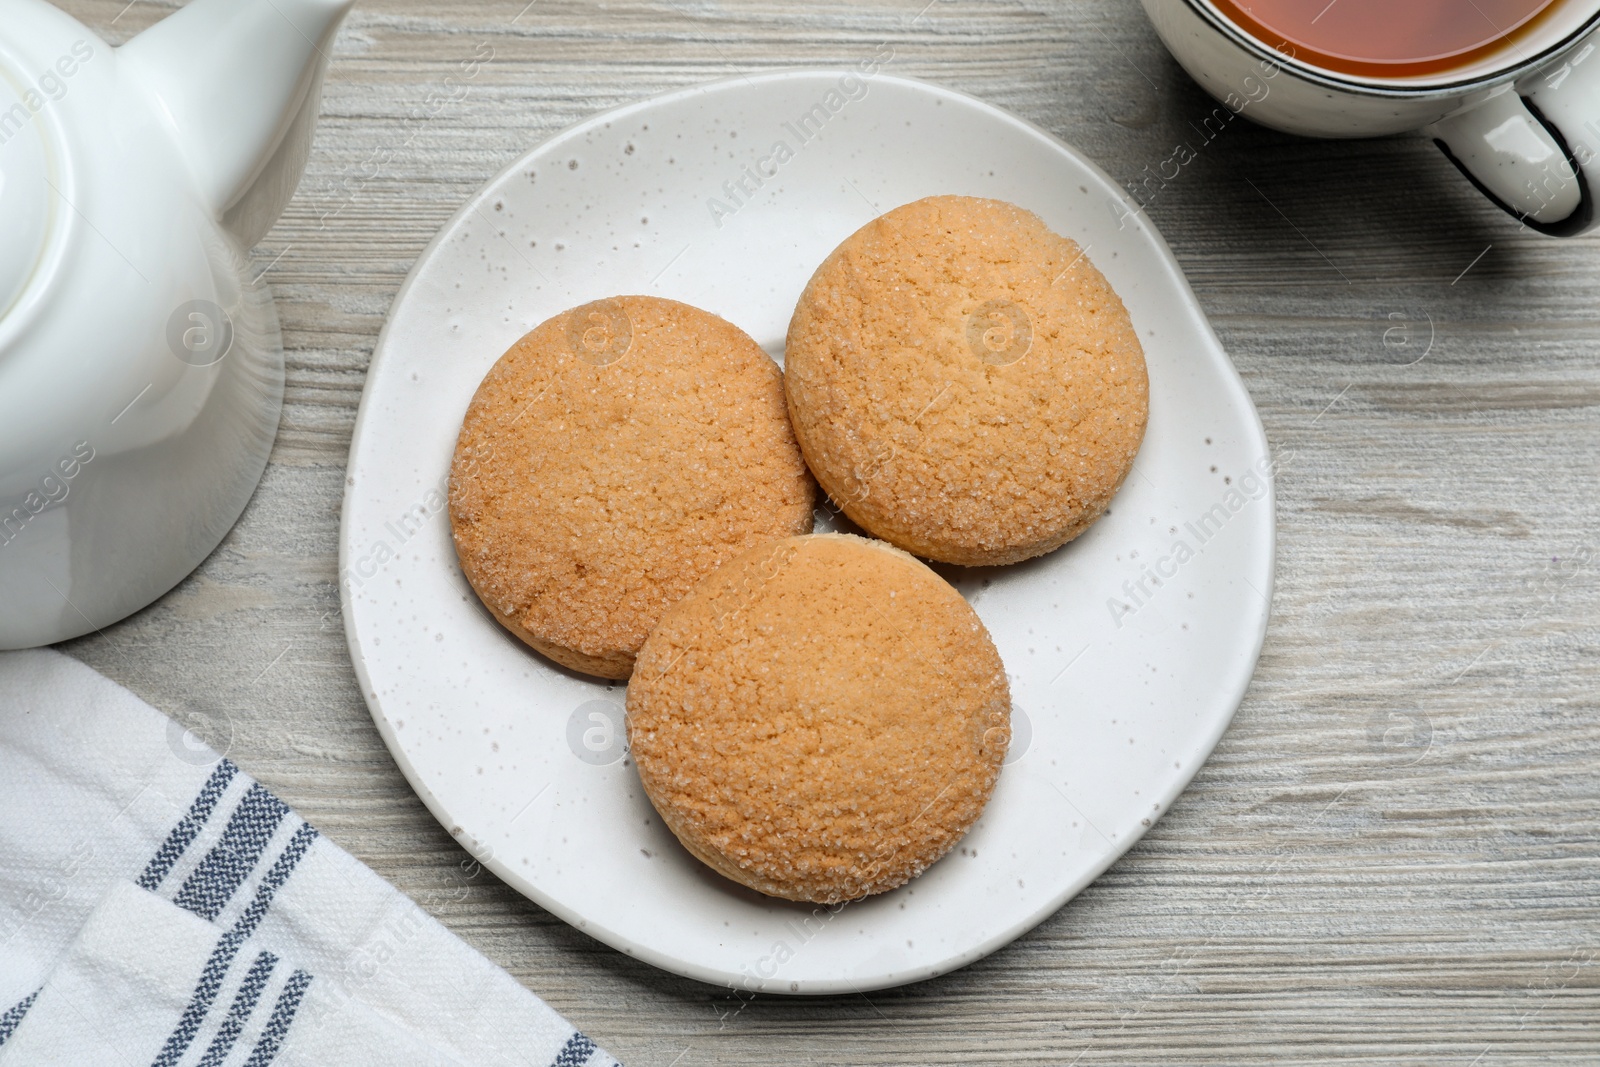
{"points": [[820, 719], [612, 458], [965, 383]]}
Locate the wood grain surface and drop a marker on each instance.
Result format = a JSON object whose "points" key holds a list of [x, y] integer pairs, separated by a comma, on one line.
{"points": [[1393, 854]]}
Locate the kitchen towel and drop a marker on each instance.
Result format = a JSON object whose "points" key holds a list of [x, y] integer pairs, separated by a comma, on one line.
{"points": [[158, 906]]}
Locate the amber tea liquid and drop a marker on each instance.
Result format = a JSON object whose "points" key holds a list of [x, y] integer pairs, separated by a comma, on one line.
{"points": [[1386, 38]]}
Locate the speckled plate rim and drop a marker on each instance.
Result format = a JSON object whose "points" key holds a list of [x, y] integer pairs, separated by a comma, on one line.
{"points": [[1234, 687]]}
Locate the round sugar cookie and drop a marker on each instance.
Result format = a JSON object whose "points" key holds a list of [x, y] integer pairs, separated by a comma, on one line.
{"points": [[613, 457], [964, 383], [820, 719]]}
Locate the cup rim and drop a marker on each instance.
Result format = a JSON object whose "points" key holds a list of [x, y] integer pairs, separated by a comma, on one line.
{"points": [[1375, 87]]}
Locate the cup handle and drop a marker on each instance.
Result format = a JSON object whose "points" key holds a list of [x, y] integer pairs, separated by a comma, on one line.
{"points": [[1535, 149]]}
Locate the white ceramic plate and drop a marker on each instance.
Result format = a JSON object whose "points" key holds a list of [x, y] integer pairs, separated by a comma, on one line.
{"points": [[1127, 655]]}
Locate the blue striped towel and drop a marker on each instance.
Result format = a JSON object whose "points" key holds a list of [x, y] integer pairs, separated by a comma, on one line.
{"points": [[158, 907]]}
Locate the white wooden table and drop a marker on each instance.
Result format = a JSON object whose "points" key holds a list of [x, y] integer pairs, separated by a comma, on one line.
{"points": [[1395, 851]]}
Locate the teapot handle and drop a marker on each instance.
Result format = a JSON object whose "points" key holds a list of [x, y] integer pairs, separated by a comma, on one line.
{"points": [[1535, 149]]}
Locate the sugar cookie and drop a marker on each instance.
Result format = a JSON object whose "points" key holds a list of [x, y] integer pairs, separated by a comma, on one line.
{"points": [[616, 455], [964, 382], [820, 719]]}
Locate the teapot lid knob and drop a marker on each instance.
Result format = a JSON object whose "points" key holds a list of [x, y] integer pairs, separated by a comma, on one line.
{"points": [[32, 193]]}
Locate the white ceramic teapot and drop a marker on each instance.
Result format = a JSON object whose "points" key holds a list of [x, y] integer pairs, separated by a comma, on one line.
{"points": [[141, 370]]}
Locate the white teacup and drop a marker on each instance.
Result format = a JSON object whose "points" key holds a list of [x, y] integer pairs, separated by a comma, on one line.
{"points": [[1521, 122]]}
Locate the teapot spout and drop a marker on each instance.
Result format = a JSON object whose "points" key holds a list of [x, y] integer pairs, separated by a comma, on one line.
{"points": [[241, 81]]}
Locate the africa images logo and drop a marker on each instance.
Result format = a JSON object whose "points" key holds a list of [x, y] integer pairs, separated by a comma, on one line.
{"points": [[52, 488], [804, 128], [50, 86], [1254, 484]]}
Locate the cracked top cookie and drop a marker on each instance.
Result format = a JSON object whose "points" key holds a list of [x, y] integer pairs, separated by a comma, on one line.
{"points": [[821, 719], [964, 383], [616, 455]]}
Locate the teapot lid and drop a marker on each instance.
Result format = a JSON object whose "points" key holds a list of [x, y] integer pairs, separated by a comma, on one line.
{"points": [[31, 190]]}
